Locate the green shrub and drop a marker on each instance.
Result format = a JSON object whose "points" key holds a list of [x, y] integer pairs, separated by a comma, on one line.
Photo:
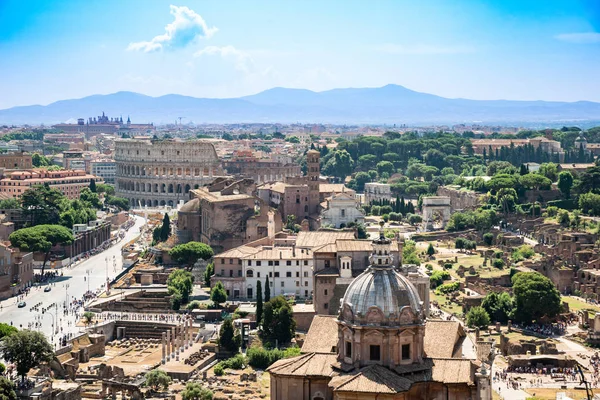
{"points": [[448, 266], [262, 358], [438, 277], [448, 287], [219, 370], [498, 263], [236, 362], [193, 305]]}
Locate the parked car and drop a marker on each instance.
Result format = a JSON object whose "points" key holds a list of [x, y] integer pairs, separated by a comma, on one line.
{"points": [[47, 289], [21, 304]]}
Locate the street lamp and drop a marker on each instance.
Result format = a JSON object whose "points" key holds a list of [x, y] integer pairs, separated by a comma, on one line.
{"points": [[87, 271], [66, 295]]}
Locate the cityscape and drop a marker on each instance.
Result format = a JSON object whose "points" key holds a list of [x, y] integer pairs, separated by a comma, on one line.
{"points": [[300, 200]]}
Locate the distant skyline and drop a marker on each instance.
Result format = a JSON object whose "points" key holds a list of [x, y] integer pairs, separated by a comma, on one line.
{"points": [[504, 49]]}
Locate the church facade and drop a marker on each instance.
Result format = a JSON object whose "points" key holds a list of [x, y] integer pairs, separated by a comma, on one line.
{"points": [[381, 347]]}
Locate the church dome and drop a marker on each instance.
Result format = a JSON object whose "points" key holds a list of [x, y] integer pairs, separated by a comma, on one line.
{"points": [[381, 296]]}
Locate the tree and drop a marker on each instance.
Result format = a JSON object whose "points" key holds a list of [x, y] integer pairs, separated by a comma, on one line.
{"points": [[42, 205], [39, 160], [7, 389], [499, 306], [157, 379], [535, 297], [534, 181], [88, 317], [590, 203], [41, 238], [90, 198], [119, 202], [565, 183], [409, 253], [189, 253], [9, 204], [218, 294], [549, 170], [339, 165], [259, 302], [227, 337], [267, 290], [194, 391], [93, 185], [6, 329], [385, 166], [414, 219], [477, 317], [208, 272], [361, 178], [488, 238], [27, 349], [183, 282], [430, 250], [278, 321], [165, 230]]}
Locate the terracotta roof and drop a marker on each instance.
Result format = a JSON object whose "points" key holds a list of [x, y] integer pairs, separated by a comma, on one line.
{"points": [[354, 245], [334, 188], [371, 379], [328, 248], [322, 336], [441, 338], [311, 364], [238, 252], [278, 187], [453, 370], [319, 238]]}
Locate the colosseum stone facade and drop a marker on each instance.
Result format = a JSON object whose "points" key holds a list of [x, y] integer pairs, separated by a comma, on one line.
{"points": [[162, 172]]}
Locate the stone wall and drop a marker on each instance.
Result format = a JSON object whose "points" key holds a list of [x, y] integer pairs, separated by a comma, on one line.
{"points": [[460, 199]]}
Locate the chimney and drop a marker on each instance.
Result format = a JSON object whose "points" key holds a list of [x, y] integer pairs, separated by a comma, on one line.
{"points": [[293, 251], [280, 255]]}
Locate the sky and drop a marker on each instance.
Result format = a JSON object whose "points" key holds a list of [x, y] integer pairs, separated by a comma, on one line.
{"points": [[504, 49]]}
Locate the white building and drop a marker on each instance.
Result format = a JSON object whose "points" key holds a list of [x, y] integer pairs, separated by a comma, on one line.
{"points": [[106, 169], [377, 191], [290, 271], [340, 209]]}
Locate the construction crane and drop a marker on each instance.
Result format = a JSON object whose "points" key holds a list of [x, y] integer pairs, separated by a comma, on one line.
{"points": [[180, 118]]}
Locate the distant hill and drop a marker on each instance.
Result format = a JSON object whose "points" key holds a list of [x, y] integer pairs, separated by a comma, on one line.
{"points": [[390, 104]]}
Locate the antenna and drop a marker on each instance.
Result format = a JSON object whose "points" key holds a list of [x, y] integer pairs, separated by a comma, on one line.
{"points": [[180, 118]]}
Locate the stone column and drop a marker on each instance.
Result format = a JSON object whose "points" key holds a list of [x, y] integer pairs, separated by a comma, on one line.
{"points": [[163, 346], [186, 337], [176, 328], [173, 342], [182, 337], [168, 344]]}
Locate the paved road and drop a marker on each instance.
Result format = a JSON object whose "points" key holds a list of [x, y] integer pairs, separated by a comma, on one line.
{"points": [[72, 285]]}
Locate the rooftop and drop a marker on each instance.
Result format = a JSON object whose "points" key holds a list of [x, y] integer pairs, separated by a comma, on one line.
{"points": [[319, 238], [322, 336]]}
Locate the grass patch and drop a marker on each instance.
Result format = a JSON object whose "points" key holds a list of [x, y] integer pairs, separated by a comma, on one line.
{"points": [[550, 394], [442, 300], [577, 305]]}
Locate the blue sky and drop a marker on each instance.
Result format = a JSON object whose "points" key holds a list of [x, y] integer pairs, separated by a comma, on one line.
{"points": [[505, 49]]}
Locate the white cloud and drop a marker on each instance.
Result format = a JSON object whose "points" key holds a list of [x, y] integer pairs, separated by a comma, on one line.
{"points": [[187, 27], [580, 37], [242, 59], [423, 49]]}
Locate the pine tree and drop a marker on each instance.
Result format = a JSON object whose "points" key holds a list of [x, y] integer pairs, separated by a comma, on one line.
{"points": [[93, 185], [259, 302], [267, 290]]}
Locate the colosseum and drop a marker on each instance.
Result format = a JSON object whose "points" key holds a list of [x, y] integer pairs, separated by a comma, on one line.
{"points": [[162, 172]]}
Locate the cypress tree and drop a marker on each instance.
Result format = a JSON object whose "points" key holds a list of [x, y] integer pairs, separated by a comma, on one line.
{"points": [[267, 290], [93, 185], [259, 302], [165, 230]]}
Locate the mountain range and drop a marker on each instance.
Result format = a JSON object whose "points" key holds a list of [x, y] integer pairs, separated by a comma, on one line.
{"points": [[390, 104]]}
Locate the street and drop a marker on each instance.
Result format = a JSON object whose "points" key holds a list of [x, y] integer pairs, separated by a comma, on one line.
{"points": [[76, 281]]}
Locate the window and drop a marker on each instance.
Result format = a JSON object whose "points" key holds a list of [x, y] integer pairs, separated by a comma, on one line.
{"points": [[249, 274], [325, 292], [297, 274], [288, 274], [258, 263], [276, 274], [282, 283], [249, 292], [288, 262], [270, 274], [230, 273], [349, 349], [306, 274], [297, 262], [374, 352], [276, 263], [326, 306], [305, 283], [231, 261], [249, 263], [305, 262], [270, 263], [406, 351], [297, 283], [343, 212], [222, 272], [239, 272], [222, 261]]}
